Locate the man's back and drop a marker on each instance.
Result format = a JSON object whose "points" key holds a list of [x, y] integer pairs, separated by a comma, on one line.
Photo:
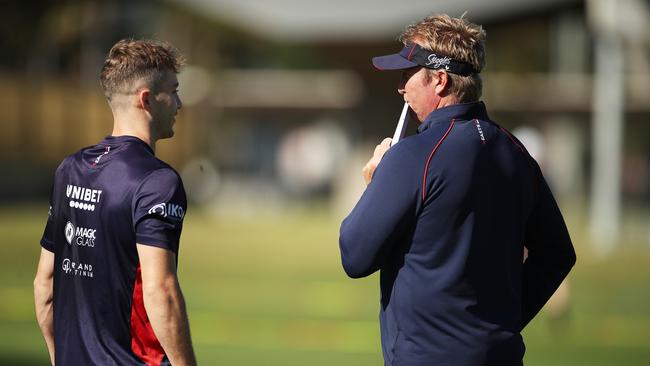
{"points": [[455, 203], [105, 199]]}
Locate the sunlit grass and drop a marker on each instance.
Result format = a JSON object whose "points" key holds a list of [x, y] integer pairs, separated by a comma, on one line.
{"points": [[271, 291]]}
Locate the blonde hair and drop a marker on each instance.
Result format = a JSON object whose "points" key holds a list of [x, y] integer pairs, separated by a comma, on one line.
{"points": [[456, 38], [131, 64]]}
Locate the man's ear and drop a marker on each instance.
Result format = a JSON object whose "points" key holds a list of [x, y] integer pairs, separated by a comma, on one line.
{"points": [[144, 99], [442, 83]]}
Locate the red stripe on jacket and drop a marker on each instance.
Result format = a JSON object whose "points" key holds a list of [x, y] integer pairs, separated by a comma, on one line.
{"points": [[426, 168]]}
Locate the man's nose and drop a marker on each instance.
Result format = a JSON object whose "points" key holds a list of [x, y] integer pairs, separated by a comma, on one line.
{"points": [[401, 86]]}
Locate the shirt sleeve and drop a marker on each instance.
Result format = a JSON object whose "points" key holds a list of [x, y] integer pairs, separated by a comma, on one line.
{"points": [[47, 240], [159, 206], [381, 215], [49, 234], [550, 252]]}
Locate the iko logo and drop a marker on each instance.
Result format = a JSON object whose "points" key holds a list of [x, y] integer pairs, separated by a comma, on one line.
{"points": [[168, 210], [83, 198], [77, 269], [81, 236], [438, 61]]}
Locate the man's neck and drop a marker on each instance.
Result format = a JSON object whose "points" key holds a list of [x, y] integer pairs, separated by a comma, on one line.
{"points": [[447, 101], [130, 127]]}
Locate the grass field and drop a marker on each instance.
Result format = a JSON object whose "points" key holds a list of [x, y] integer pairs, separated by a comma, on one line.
{"points": [[270, 291]]}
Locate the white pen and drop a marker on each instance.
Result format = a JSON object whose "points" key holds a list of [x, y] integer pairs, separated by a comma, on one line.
{"points": [[401, 125]]}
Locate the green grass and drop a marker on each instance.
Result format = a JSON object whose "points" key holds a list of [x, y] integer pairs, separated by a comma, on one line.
{"points": [[270, 291]]}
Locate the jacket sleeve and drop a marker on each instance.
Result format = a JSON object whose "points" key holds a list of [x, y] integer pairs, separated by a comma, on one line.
{"points": [[550, 252], [382, 214]]}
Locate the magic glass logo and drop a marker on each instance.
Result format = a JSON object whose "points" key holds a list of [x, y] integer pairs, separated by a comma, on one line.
{"points": [[83, 198], [80, 236], [77, 268], [168, 210]]}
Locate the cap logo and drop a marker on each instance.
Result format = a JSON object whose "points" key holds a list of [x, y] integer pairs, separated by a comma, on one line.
{"points": [[413, 55], [437, 62]]}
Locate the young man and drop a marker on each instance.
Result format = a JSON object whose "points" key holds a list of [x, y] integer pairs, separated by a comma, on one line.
{"points": [[106, 290], [447, 213]]}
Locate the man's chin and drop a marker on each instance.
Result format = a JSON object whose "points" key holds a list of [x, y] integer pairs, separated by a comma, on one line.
{"points": [[166, 135], [414, 117]]}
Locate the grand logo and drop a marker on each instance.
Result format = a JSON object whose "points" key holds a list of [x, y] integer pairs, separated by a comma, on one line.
{"points": [[168, 210], [77, 268], [80, 236], [83, 198], [66, 265]]}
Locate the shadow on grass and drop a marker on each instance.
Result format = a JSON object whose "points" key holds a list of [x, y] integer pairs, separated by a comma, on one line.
{"points": [[23, 360]]}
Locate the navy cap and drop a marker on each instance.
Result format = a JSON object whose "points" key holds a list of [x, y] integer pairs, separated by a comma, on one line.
{"points": [[412, 55]]}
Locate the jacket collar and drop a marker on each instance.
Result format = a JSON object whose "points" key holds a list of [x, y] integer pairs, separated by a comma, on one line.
{"points": [[461, 111]]}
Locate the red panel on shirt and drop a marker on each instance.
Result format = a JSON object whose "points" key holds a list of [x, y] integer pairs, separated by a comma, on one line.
{"points": [[143, 340]]}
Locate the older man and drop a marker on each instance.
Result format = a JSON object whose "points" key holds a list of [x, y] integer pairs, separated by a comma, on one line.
{"points": [[447, 213], [106, 289]]}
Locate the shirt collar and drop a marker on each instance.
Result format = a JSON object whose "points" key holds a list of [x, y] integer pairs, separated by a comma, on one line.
{"points": [[461, 111], [108, 140]]}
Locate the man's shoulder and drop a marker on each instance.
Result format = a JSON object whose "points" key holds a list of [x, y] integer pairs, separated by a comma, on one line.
{"points": [[406, 155], [420, 145], [69, 160], [162, 177], [142, 163]]}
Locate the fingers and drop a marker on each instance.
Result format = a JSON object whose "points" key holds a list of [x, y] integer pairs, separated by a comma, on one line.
{"points": [[369, 169], [383, 146]]}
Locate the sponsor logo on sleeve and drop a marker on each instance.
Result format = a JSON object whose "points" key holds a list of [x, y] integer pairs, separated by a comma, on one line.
{"points": [[79, 236], [77, 269], [170, 210], [83, 198]]}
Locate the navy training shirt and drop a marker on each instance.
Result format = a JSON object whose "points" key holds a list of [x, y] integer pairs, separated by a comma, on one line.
{"points": [[445, 219], [104, 200]]}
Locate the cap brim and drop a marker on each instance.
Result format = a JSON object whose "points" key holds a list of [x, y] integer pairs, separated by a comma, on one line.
{"points": [[392, 62]]}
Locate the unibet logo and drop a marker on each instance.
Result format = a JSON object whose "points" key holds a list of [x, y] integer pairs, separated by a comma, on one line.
{"points": [[168, 210], [83, 198], [81, 236]]}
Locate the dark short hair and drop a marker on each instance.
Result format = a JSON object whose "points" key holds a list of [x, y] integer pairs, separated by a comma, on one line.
{"points": [[131, 64]]}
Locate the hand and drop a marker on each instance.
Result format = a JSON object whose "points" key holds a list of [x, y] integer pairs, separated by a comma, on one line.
{"points": [[369, 169]]}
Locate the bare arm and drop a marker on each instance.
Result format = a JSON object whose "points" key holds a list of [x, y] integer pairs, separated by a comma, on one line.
{"points": [[165, 305], [43, 296]]}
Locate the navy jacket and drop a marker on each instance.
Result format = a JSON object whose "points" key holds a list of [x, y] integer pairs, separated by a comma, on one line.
{"points": [[445, 219]]}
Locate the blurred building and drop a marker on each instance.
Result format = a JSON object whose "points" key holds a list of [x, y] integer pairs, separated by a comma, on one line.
{"points": [[263, 74]]}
